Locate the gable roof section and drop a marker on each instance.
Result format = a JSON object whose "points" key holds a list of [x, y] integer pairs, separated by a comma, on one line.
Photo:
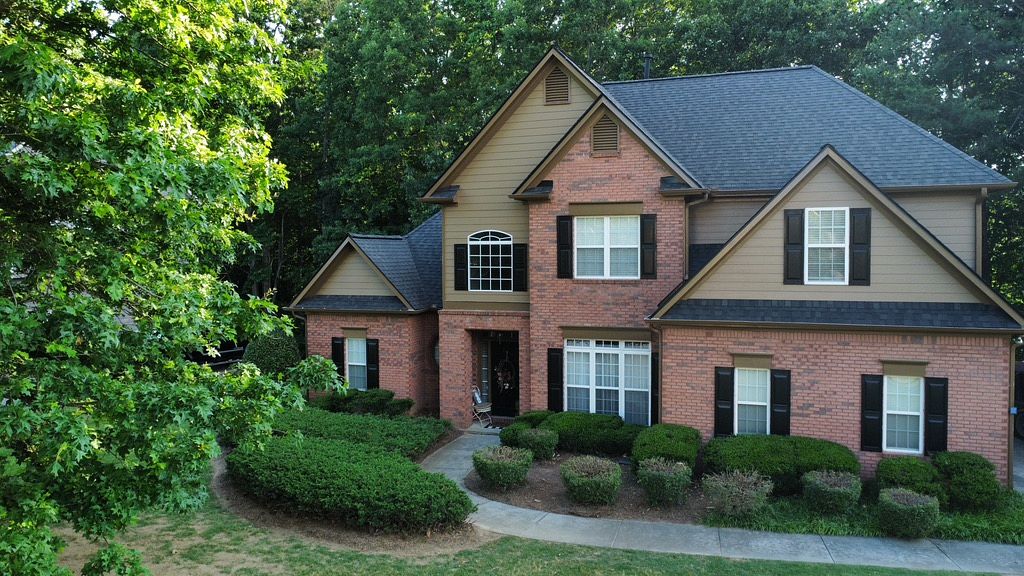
{"points": [[829, 154], [753, 130], [410, 265], [553, 55], [600, 106]]}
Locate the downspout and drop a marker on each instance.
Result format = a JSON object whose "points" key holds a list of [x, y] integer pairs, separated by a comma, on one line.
{"points": [[661, 372], [686, 231], [1014, 346], [979, 224]]}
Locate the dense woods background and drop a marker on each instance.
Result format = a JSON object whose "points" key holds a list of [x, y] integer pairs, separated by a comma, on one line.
{"points": [[383, 93]]}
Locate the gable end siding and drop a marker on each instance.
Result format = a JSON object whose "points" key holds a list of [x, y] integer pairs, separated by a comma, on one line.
{"points": [[351, 276]]}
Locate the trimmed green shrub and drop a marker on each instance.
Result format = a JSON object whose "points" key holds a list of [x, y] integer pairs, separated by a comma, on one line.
{"points": [[783, 459], [272, 353], [831, 491], [533, 418], [359, 485], [664, 481], [971, 480], [912, 473], [502, 466], [406, 435], [540, 441], [509, 435], [906, 514], [377, 401], [592, 433], [737, 492], [669, 441], [591, 480]]}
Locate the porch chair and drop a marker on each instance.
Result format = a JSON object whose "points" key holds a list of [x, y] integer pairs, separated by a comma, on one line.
{"points": [[481, 409]]}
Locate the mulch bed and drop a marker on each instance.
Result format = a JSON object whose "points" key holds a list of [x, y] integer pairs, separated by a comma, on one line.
{"points": [[545, 491]]}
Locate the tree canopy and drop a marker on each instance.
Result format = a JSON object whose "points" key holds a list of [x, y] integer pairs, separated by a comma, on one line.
{"points": [[132, 155], [390, 91]]}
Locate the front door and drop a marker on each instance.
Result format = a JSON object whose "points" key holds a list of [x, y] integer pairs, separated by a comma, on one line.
{"points": [[504, 373]]}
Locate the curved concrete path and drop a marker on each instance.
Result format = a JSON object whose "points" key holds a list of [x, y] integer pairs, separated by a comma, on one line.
{"points": [[455, 461]]}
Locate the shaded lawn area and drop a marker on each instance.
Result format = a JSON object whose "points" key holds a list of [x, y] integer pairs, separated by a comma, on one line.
{"points": [[1004, 525], [214, 542]]}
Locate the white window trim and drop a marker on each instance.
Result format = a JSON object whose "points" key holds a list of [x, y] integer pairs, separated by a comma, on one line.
{"points": [[845, 246], [591, 349], [736, 401], [606, 246], [348, 360], [470, 243], [885, 418]]}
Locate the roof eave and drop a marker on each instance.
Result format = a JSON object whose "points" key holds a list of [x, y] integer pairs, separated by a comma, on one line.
{"points": [[819, 326]]}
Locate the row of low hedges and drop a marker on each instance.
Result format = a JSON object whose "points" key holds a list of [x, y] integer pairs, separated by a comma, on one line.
{"points": [[783, 459], [592, 433], [379, 401], [669, 441], [408, 436], [357, 484], [961, 481]]}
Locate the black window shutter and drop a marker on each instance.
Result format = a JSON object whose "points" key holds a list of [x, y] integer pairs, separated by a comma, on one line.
{"points": [[564, 242], [372, 364], [648, 246], [723, 401], [780, 394], [794, 247], [338, 354], [871, 412], [936, 411], [555, 379], [461, 267], [520, 255], [655, 388], [860, 246]]}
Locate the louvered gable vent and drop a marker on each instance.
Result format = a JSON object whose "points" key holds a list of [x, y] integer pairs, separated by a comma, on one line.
{"points": [[605, 135], [556, 87]]}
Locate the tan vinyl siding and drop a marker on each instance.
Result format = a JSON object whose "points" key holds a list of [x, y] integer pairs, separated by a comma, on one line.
{"points": [[487, 179], [950, 216], [901, 270], [351, 276], [716, 221]]}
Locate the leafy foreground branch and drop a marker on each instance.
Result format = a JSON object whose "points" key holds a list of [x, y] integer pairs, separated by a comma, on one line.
{"points": [[131, 151]]}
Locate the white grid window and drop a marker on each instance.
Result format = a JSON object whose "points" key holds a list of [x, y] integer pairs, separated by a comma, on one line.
{"points": [[827, 234], [609, 377], [752, 394], [903, 416], [607, 246], [355, 369], [490, 261]]}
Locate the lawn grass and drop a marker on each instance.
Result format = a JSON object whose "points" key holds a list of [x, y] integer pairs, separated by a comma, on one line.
{"points": [[1004, 525], [214, 542]]}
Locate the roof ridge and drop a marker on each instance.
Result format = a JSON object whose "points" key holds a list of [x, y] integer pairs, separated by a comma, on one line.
{"points": [[928, 135], [729, 73], [378, 236]]}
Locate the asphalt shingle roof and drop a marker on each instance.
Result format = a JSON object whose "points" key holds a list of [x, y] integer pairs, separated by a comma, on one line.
{"points": [[412, 263], [374, 303], [755, 130], [881, 314]]}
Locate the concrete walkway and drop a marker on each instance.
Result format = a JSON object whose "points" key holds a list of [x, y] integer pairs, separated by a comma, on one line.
{"points": [[455, 461]]}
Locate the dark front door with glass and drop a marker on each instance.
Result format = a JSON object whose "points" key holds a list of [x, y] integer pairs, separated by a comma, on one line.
{"points": [[499, 371]]}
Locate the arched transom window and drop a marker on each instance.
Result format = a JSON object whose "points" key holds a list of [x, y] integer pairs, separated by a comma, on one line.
{"points": [[490, 261]]}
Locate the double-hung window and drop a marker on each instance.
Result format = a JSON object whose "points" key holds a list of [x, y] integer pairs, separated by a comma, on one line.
{"points": [[903, 414], [490, 261], [609, 377], [355, 364], [607, 246], [752, 401], [828, 245]]}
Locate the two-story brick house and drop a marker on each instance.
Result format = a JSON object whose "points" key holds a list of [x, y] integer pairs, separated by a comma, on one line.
{"points": [[750, 253]]}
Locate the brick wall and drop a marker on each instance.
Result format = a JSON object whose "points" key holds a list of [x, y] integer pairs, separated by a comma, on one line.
{"points": [[633, 175], [406, 350], [458, 358], [826, 369]]}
